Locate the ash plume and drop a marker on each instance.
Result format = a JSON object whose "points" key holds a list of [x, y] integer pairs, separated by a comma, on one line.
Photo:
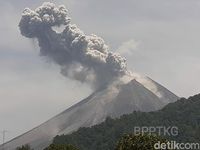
{"points": [[85, 58]]}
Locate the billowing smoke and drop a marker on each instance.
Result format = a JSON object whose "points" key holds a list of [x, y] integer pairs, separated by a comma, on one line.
{"points": [[85, 58]]}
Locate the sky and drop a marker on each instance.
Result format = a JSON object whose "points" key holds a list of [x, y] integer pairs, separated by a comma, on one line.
{"points": [[159, 38]]}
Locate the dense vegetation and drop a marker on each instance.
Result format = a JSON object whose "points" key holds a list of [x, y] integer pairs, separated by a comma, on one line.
{"points": [[60, 147], [50, 147], [127, 142], [185, 114], [24, 147], [139, 142]]}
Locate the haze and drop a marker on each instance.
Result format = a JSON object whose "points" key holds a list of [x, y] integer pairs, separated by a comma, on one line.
{"points": [[159, 39]]}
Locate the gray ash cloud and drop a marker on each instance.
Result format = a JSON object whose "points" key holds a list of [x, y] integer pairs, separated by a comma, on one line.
{"points": [[85, 58]]}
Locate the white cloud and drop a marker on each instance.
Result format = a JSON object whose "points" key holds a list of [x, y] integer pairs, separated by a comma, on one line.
{"points": [[128, 47], [167, 38]]}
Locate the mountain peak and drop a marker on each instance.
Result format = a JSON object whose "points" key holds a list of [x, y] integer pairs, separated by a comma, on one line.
{"points": [[122, 96]]}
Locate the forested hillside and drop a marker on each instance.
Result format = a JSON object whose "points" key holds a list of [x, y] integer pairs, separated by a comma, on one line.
{"points": [[185, 114]]}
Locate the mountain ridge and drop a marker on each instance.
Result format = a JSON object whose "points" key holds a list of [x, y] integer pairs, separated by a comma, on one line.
{"points": [[183, 114], [108, 101]]}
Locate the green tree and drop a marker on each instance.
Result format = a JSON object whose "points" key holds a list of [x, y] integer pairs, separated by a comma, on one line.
{"points": [[183, 114], [60, 147], [139, 142], [24, 147]]}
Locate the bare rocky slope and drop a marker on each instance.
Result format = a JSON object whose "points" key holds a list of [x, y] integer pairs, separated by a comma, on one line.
{"points": [[120, 97]]}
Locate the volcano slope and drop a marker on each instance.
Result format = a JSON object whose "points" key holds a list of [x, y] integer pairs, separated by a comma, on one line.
{"points": [[114, 100]]}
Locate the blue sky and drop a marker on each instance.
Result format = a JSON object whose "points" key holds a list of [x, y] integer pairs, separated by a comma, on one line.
{"points": [[159, 38]]}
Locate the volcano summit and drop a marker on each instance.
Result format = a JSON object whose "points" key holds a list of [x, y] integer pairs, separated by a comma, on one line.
{"points": [[120, 97], [117, 90]]}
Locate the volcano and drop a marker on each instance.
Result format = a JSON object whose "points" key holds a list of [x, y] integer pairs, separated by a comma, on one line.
{"points": [[85, 58], [123, 96]]}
